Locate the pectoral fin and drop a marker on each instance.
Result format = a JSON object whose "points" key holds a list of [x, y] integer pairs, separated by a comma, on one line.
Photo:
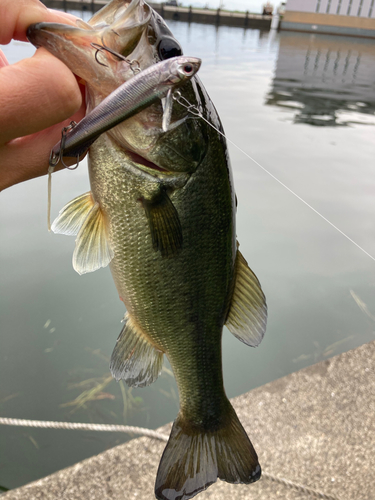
{"points": [[73, 214], [83, 216], [247, 316], [134, 358], [165, 226], [92, 250]]}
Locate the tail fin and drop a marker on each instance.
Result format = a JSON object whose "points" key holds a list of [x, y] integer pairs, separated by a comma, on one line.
{"points": [[193, 459]]}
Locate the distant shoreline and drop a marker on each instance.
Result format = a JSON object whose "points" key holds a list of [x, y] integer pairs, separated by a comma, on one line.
{"points": [[186, 14]]}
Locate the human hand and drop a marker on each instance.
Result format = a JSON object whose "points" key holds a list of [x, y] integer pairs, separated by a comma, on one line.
{"points": [[38, 96]]}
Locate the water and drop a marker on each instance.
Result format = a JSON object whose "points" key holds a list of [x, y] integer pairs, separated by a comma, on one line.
{"points": [[302, 106]]}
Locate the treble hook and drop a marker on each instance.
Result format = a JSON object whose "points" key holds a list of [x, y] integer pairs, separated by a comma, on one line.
{"points": [[54, 158], [53, 161], [134, 64], [99, 48]]}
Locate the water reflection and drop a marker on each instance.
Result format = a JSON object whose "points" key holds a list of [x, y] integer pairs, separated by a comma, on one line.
{"points": [[325, 80]]}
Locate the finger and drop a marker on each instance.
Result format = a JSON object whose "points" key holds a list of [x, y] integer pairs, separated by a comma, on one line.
{"points": [[36, 93], [16, 17], [3, 59], [27, 157]]}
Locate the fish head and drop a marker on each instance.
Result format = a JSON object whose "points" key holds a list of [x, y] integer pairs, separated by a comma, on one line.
{"points": [[120, 40]]}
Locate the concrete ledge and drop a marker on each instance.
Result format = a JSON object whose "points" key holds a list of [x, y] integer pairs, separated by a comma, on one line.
{"points": [[315, 427], [218, 17]]}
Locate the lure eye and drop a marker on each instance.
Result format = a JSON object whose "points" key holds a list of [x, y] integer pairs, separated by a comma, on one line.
{"points": [[188, 68], [168, 47]]}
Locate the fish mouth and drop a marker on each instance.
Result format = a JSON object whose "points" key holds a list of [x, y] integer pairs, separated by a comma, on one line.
{"points": [[90, 50], [145, 164], [118, 26], [40, 34], [170, 178]]}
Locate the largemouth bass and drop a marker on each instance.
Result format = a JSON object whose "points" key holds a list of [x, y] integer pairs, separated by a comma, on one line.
{"points": [[161, 213]]}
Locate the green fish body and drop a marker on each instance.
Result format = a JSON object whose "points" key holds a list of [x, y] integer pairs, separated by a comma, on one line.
{"points": [[161, 213]]}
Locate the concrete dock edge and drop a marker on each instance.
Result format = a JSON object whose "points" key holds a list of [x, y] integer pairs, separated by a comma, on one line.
{"points": [[314, 427]]}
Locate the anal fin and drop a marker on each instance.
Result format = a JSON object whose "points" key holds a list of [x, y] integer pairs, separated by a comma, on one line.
{"points": [[134, 358], [247, 318]]}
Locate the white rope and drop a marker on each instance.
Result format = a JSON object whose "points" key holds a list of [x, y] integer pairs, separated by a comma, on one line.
{"points": [[298, 487], [150, 433], [84, 427]]}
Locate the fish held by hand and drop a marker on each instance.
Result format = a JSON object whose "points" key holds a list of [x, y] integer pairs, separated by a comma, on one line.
{"points": [[161, 213]]}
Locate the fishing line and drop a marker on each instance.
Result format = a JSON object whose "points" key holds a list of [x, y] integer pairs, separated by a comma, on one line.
{"points": [[195, 111], [296, 195], [54, 159], [50, 170]]}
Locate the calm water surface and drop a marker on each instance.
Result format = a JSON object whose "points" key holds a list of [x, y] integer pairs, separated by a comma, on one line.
{"points": [[303, 107]]}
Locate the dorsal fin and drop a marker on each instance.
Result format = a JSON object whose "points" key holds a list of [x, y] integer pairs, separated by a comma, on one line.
{"points": [[92, 250], [134, 358], [247, 318]]}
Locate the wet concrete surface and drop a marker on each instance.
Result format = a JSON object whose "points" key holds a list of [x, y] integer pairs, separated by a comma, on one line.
{"points": [[315, 427]]}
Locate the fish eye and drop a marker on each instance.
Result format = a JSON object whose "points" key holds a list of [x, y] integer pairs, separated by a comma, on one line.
{"points": [[188, 68], [168, 47]]}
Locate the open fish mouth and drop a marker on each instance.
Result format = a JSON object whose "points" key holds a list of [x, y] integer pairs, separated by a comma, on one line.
{"points": [[119, 25], [119, 41], [89, 49]]}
